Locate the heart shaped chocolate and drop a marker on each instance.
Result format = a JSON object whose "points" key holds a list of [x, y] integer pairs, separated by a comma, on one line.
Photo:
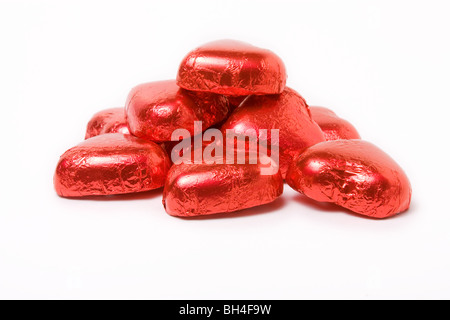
{"points": [[288, 113], [110, 164], [204, 189], [353, 174], [333, 127], [232, 68], [154, 110], [107, 121]]}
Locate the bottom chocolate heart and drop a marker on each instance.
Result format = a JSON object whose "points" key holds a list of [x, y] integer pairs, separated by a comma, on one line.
{"points": [[203, 189], [353, 174], [110, 164]]}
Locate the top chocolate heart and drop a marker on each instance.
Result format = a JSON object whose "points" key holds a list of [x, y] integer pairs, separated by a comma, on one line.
{"points": [[232, 68]]}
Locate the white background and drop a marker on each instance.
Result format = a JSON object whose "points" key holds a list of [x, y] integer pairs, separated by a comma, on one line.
{"points": [[383, 65]]}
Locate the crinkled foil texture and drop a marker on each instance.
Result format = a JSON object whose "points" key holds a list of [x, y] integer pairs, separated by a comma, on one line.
{"points": [[232, 68], [107, 121], [353, 174], [154, 110], [333, 127], [287, 112], [111, 164], [204, 189]]}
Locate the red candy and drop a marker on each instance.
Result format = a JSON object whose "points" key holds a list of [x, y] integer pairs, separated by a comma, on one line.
{"points": [[204, 189], [287, 112], [107, 121], [154, 110], [333, 127], [111, 164], [232, 68], [260, 132], [353, 174]]}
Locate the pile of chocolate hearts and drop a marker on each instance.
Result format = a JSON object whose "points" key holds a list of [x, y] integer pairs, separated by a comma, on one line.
{"points": [[176, 134]]}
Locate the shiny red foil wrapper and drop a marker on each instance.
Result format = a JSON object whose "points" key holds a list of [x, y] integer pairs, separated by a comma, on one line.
{"points": [[353, 174], [333, 127], [232, 68], [111, 164], [154, 110], [107, 121], [287, 112], [205, 189]]}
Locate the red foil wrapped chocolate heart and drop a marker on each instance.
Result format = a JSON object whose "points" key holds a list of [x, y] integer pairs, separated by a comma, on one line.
{"points": [[232, 68], [204, 189], [110, 164], [353, 174], [154, 110], [107, 121], [287, 112], [333, 127]]}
